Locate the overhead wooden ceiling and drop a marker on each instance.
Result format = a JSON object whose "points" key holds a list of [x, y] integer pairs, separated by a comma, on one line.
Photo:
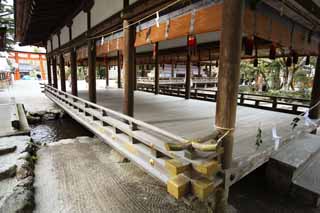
{"points": [[36, 20]]}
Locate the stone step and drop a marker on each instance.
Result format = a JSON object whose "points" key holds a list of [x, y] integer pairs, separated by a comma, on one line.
{"points": [[7, 149], [298, 152], [308, 176]]}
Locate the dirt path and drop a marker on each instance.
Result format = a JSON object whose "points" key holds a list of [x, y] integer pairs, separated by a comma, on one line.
{"points": [[82, 177]]}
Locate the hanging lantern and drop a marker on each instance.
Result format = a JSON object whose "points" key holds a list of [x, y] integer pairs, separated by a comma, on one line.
{"points": [[273, 51], [289, 62], [248, 45], [192, 44], [217, 63], [307, 60], [162, 66], [255, 62]]}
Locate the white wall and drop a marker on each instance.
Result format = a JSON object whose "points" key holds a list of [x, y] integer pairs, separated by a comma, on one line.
{"points": [[48, 46], [79, 25], [64, 36], [103, 9], [55, 41]]}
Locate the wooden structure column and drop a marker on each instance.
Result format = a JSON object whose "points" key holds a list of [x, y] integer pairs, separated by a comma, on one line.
{"points": [[49, 71], [92, 70], [74, 77], [228, 85], [156, 67], [129, 67], [62, 73], [172, 69], [199, 64], [315, 96], [229, 73], [188, 76], [106, 63], [54, 72], [210, 64], [119, 68]]}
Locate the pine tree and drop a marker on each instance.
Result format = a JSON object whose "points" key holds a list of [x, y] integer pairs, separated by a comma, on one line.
{"points": [[7, 20]]}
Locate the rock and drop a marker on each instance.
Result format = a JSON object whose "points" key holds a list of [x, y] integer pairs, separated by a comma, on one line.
{"points": [[26, 182], [24, 169], [49, 116], [7, 172], [24, 156], [38, 113], [21, 200], [33, 119], [7, 149]]}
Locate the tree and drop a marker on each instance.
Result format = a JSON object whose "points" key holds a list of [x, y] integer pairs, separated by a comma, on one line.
{"points": [[7, 20]]}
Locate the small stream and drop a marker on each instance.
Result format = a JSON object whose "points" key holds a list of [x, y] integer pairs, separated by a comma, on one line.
{"points": [[55, 130]]}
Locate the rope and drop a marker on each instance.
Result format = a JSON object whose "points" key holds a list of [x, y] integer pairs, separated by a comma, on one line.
{"points": [[227, 132]]}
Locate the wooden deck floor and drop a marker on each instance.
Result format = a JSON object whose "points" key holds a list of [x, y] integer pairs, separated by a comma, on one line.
{"points": [[193, 119]]}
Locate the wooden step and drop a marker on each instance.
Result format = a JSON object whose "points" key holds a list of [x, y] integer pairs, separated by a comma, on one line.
{"points": [[308, 176], [298, 151]]}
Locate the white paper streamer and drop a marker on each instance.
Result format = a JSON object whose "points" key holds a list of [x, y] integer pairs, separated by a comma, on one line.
{"points": [[157, 19], [276, 138], [307, 120], [102, 40]]}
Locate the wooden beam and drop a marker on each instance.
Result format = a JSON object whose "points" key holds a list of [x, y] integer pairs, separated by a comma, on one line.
{"points": [[156, 67], [54, 72], [62, 73], [49, 71], [229, 73], [128, 65], [315, 96], [188, 76], [74, 77], [106, 62], [119, 68], [92, 70]]}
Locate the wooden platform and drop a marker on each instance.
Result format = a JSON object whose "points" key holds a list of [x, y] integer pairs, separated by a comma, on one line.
{"points": [[193, 119]]}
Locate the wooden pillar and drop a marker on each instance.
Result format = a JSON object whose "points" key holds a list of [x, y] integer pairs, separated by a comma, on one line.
{"points": [[156, 67], [315, 95], [142, 71], [199, 64], [210, 66], [188, 76], [135, 71], [129, 67], [49, 71], [119, 68], [62, 73], [229, 73], [228, 85], [92, 70], [54, 72], [107, 71], [172, 69], [74, 77]]}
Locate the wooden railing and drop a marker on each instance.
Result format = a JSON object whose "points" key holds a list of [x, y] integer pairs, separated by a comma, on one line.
{"points": [[274, 103], [177, 81], [144, 144]]}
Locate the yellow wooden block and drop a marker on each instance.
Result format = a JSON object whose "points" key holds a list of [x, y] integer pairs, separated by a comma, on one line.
{"points": [[202, 188], [178, 186], [175, 167], [208, 168]]}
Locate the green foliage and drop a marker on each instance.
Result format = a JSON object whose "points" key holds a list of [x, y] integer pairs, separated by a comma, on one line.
{"points": [[7, 20]]}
